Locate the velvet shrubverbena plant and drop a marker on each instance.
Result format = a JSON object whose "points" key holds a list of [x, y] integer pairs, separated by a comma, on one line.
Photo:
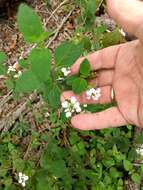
{"points": [[95, 160], [37, 72]]}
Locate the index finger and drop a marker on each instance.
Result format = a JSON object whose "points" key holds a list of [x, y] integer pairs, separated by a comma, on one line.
{"points": [[102, 59]]}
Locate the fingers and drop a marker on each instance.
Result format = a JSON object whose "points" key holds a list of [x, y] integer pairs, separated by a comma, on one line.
{"points": [[105, 119], [104, 78], [102, 59], [128, 14], [82, 98]]}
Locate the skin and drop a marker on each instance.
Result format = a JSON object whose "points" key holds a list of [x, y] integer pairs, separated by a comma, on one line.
{"points": [[120, 67]]}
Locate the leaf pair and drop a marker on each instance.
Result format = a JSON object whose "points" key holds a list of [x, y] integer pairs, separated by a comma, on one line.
{"points": [[79, 83]]}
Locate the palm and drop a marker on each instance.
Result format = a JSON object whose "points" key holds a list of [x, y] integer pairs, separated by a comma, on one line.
{"points": [[127, 82], [118, 67]]}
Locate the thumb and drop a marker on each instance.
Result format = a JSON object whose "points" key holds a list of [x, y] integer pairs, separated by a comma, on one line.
{"points": [[128, 14]]}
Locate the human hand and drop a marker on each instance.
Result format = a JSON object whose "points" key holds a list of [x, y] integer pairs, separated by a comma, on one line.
{"points": [[118, 67]]}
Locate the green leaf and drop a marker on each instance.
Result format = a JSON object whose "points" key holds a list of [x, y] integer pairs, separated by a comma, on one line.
{"points": [[127, 165], [67, 53], [10, 84], [30, 25], [3, 57], [70, 80], [139, 139], [136, 178], [19, 164], [41, 63], [23, 63], [108, 162], [85, 68], [54, 97], [27, 83], [79, 85], [112, 38], [2, 67]]}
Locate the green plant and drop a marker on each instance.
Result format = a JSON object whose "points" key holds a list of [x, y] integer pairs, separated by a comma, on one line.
{"points": [[61, 157]]}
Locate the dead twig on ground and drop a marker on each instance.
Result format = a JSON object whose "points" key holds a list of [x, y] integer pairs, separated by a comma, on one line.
{"points": [[9, 120], [59, 28], [58, 7]]}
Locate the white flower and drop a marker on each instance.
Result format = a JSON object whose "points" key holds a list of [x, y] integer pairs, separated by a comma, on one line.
{"points": [[18, 74], [85, 105], [71, 106], [122, 32], [65, 104], [76, 105], [73, 100], [60, 79], [66, 71], [93, 93], [47, 114], [68, 114], [11, 69], [140, 150], [22, 179], [78, 110]]}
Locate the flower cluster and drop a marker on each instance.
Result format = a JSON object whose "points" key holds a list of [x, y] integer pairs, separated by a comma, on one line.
{"points": [[11, 69], [140, 150], [71, 106], [66, 71], [93, 93], [22, 179], [15, 69]]}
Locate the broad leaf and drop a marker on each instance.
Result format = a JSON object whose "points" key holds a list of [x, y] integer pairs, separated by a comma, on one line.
{"points": [[85, 68], [79, 85], [30, 25], [67, 53], [27, 82], [127, 165], [41, 63], [136, 178], [70, 80], [54, 97]]}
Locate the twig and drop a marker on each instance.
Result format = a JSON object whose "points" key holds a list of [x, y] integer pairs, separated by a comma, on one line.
{"points": [[5, 99], [60, 5], [6, 123], [59, 28]]}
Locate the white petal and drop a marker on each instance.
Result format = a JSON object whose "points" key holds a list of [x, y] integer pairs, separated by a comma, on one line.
{"points": [[20, 174], [63, 69], [76, 105], [66, 74], [65, 104], [68, 114], [84, 105], [23, 184], [67, 110], [60, 79], [88, 93], [20, 181], [73, 100], [78, 110], [92, 90], [26, 177]]}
